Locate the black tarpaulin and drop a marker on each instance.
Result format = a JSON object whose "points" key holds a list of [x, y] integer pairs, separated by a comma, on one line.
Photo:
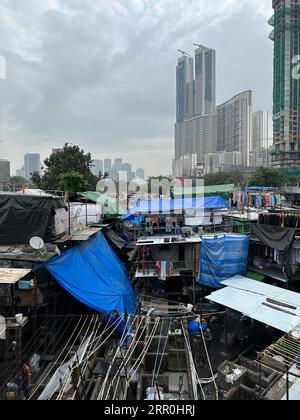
{"points": [[281, 239], [275, 237], [24, 216]]}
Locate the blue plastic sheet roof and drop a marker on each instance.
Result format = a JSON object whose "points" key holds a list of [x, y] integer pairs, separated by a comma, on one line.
{"points": [[94, 275], [260, 188], [164, 205], [222, 258]]}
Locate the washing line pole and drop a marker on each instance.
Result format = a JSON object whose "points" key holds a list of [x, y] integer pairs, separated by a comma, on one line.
{"points": [[225, 332], [287, 384]]}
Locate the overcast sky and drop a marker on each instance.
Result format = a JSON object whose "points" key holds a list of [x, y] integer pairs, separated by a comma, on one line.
{"points": [[101, 73]]}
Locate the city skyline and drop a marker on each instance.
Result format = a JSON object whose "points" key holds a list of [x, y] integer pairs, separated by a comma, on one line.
{"points": [[134, 120]]}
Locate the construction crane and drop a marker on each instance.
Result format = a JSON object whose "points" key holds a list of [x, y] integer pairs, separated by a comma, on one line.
{"points": [[198, 45], [185, 53]]}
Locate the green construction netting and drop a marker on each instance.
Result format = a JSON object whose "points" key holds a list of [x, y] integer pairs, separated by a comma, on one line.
{"points": [[225, 189]]}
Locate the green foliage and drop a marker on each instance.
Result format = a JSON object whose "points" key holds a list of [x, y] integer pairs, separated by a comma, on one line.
{"points": [[72, 182], [60, 169], [17, 180], [268, 177], [220, 178]]}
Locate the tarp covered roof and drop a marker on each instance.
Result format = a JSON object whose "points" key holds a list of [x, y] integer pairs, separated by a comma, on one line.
{"points": [[112, 205], [94, 275], [274, 306], [158, 206], [23, 216]]}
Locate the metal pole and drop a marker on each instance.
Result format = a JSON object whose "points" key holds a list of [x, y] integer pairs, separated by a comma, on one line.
{"points": [[69, 215], [225, 332], [194, 290], [287, 384], [86, 213]]}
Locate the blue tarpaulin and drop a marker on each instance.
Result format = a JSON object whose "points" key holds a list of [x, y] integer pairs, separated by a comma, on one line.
{"points": [[94, 275], [223, 258], [179, 204]]}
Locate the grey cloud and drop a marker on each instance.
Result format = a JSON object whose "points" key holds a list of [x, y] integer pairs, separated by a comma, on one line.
{"points": [[103, 73]]}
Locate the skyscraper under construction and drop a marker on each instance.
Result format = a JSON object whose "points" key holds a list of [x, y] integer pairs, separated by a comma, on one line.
{"points": [[286, 107]]}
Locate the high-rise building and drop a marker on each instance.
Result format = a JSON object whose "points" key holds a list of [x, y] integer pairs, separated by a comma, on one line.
{"points": [[20, 172], [116, 169], [205, 80], [4, 171], [184, 83], [127, 170], [286, 97], [97, 167], [260, 144], [118, 165], [234, 126], [185, 166], [222, 161], [140, 173], [32, 163], [260, 130], [107, 166], [195, 129]]}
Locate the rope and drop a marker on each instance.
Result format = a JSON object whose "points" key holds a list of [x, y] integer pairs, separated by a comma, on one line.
{"points": [[58, 358], [121, 342], [66, 382], [156, 358], [209, 363], [130, 351], [162, 356]]}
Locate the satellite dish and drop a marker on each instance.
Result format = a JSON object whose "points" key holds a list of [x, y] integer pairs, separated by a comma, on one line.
{"points": [[37, 243]]}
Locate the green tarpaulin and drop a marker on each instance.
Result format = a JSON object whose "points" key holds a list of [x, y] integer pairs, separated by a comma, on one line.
{"points": [[111, 205], [255, 276], [222, 190]]}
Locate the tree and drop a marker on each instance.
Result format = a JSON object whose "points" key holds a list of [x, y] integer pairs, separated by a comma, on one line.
{"points": [[103, 176], [268, 177], [18, 181], [69, 161], [71, 182], [219, 178]]}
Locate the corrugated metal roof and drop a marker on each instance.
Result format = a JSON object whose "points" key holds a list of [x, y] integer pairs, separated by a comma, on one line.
{"points": [[294, 392], [84, 235], [262, 302], [12, 275]]}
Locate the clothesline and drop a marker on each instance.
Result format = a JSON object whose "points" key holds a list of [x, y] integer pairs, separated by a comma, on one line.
{"points": [[255, 199]]}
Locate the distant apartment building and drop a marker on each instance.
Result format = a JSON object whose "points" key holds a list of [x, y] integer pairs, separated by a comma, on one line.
{"points": [[286, 93], [223, 162], [234, 126], [107, 166], [32, 163], [185, 166], [4, 171], [127, 170], [140, 173], [260, 130], [97, 167], [20, 172], [260, 143], [260, 157], [196, 99]]}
